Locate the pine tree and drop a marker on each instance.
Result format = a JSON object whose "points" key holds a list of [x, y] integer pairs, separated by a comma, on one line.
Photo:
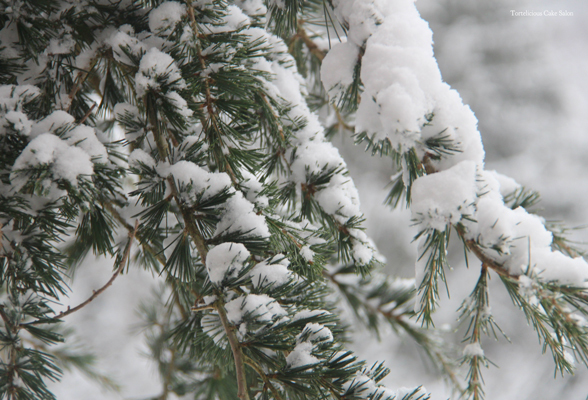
{"points": [[184, 138]]}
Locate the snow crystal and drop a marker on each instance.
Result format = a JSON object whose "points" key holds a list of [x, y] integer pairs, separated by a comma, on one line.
{"points": [[163, 19], [156, 68], [66, 162], [444, 197], [473, 350], [226, 261], [301, 356]]}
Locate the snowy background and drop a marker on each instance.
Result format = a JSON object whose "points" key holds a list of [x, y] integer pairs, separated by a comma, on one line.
{"points": [[525, 78]]}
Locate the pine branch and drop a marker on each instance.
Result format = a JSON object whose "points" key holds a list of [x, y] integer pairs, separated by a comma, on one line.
{"points": [[397, 317], [208, 100], [200, 244]]}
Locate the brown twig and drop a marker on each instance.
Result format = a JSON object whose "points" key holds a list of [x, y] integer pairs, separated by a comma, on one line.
{"points": [[87, 114], [310, 44], [96, 293], [264, 377], [202, 308], [242, 391]]}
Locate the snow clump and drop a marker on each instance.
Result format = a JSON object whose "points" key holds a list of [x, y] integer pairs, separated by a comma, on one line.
{"points": [[163, 19], [226, 261]]}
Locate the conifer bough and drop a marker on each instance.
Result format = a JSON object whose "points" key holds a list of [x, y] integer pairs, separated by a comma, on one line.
{"points": [[178, 137]]}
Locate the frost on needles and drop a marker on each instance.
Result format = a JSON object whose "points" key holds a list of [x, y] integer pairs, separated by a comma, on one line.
{"points": [[181, 138]]}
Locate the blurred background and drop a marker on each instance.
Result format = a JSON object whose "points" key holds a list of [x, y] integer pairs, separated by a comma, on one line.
{"points": [[526, 80]]}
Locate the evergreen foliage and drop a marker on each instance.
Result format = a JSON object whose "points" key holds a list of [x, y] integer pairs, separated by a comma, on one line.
{"points": [[181, 138]]}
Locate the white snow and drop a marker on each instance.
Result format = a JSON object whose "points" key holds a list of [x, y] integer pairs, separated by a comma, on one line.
{"points": [[12, 97], [473, 350], [56, 121], [301, 356], [19, 122], [262, 308], [65, 161], [157, 65], [307, 253], [307, 314], [338, 67], [314, 154], [401, 80], [162, 20], [239, 216], [252, 188], [226, 261], [316, 333], [555, 266], [64, 45], [270, 275], [85, 138], [445, 197], [180, 104], [232, 21], [120, 40], [194, 181], [252, 7], [138, 156]]}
